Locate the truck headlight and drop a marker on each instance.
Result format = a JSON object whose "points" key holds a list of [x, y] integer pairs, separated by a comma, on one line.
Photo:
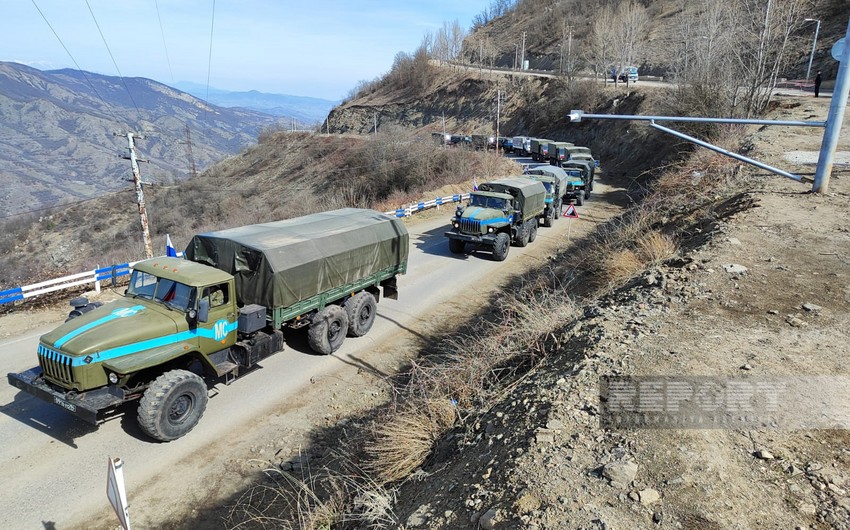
{"points": [[456, 224], [113, 377], [490, 230]]}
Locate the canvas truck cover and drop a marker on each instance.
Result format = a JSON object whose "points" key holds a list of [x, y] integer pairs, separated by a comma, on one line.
{"points": [[280, 263], [556, 173], [531, 193]]}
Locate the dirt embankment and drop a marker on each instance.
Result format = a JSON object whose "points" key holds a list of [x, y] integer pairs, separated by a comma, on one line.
{"points": [[761, 294]]}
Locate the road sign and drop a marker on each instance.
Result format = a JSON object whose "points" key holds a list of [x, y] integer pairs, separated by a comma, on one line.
{"points": [[571, 212], [115, 491]]}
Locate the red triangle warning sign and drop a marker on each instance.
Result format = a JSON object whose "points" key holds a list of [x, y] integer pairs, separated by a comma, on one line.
{"points": [[571, 212]]}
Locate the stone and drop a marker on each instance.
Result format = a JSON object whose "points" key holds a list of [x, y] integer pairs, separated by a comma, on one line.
{"points": [[419, 517], [555, 425], [489, 519], [734, 268], [764, 454], [544, 436], [813, 308], [746, 367], [835, 489], [773, 312], [795, 322], [620, 473], [649, 496], [808, 508]]}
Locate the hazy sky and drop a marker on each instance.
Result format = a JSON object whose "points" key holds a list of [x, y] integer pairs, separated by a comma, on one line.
{"points": [[317, 48]]}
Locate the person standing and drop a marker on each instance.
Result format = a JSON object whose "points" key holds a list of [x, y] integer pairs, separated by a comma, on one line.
{"points": [[818, 80]]}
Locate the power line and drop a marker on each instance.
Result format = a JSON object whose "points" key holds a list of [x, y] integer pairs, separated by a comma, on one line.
{"points": [[209, 61], [49, 25], [162, 32], [123, 81]]}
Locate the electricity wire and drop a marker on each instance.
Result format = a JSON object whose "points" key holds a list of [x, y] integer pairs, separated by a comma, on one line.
{"points": [[164, 45]]}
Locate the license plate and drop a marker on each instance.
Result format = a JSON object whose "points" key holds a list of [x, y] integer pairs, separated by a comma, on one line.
{"points": [[64, 404]]}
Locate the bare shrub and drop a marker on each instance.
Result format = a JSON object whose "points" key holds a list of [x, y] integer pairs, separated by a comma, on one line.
{"points": [[403, 441]]}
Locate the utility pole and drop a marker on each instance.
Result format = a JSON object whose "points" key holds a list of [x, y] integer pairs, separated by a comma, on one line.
{"points": [[140, 194], [837, 107], [376, 122], [498, 112], [193, 170], [522, 55]]}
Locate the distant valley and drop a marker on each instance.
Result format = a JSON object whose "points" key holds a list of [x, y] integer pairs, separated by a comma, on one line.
{"points": [[56, 133]]}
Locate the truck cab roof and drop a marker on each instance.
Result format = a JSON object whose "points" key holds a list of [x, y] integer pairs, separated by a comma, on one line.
{"points": [[183, 271]]}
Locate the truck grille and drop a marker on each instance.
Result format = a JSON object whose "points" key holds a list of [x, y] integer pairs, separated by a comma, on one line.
{"points": [[55, 365], [470, 226]]}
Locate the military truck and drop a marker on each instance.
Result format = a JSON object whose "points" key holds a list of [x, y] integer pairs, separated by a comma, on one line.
{"points": [[587, 170], [501, 212], [540, 149], [521, 145], [215, 314], [554, 179], [558, 152]]}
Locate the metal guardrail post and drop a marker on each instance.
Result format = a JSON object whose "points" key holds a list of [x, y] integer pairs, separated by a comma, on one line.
{"points": [[834, 120]]}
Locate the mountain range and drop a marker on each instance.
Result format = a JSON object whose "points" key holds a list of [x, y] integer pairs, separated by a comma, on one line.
{"points": [[63, 134]]}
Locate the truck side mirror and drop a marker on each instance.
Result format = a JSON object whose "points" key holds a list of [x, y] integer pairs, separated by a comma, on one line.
{"points": [[204, 310]]}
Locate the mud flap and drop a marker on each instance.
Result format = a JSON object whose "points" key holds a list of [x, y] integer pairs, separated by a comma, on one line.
{"points": [[390, 288]]}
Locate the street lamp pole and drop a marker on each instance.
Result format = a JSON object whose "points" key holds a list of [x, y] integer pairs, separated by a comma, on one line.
{"points": [[814, 45]]}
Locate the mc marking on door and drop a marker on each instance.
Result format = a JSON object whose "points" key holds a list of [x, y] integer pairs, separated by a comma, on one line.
{"points": [[220, 330]]}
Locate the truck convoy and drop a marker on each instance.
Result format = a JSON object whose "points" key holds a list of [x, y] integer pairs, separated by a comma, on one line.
{"points": [[217, 313], [501, 212]]}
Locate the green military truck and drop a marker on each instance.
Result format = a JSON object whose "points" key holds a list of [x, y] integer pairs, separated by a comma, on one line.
{"points": [[214, 315], [558, 152], [554, 179], [540, 149], [500, 213], [586, 168]]}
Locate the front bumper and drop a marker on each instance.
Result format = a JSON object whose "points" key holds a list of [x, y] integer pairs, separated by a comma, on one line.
{"points": [[83, 405], [485, 239]]}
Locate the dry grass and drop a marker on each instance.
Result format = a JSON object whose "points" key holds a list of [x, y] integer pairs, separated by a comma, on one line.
{"points": [[401, 443]]}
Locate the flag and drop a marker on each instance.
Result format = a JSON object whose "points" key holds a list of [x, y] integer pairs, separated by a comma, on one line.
{"points": [[169, 247], [474, 184]]}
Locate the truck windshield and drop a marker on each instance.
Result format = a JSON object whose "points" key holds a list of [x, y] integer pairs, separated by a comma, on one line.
{"points": [[173, 294], [487, 202]]}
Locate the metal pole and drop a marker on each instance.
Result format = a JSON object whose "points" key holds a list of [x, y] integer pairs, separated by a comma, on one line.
{"points": [[814, 45], [741, 121], [834, 120], [722, 151]]}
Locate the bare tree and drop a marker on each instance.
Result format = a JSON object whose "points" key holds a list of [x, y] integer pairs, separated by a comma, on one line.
{"points": [[601, 49], [628, 35]]}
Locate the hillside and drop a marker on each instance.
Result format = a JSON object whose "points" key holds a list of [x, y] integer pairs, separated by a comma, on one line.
{"points": [[57, 134]]}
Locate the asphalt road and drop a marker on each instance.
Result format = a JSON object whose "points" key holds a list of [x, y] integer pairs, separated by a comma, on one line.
{"points": [[55, 466]]}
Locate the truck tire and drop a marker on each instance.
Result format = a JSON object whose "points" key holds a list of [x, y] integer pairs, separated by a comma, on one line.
{"points": [[547, 220], [456, 246], [532, 233], [522, 236], [172, 405], [361, 309], [501, 246], [580, 198], [328, 330]]}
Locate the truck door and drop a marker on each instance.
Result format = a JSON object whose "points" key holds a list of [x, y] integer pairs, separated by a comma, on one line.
{"points": [[219, 331]]}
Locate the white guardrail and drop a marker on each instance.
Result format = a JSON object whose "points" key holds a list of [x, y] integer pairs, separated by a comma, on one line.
{"points": [[114, 272]]}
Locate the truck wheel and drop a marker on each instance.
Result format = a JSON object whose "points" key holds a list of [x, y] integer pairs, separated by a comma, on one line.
{"points": [[501, 247], [547, 221], [532, 233], [580, 198], [328, 330], [590, 185], [456, 246], [360, 310], [522, 237], [172, 405]]}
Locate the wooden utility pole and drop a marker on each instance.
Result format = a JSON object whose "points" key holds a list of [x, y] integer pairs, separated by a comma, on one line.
{"points": [[140, 194], [192, 167]]}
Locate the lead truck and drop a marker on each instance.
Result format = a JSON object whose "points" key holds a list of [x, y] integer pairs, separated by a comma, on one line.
{"points": [[185, 323]]}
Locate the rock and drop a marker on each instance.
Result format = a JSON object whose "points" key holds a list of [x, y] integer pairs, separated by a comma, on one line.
{"points": [[419, 517], [620, 473], [526, 503], [764, 454], [773, 312], [649, 496], [489, 519], [657, 517], [835, 489], [544, 436], [555, 425], [808, 508], [746, 367], [735, 241], [795, 322], [813, 308], [734, 268]]}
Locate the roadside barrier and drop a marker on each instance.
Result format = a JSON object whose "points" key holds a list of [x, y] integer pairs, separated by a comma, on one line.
{"points": [[113, 272]]}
